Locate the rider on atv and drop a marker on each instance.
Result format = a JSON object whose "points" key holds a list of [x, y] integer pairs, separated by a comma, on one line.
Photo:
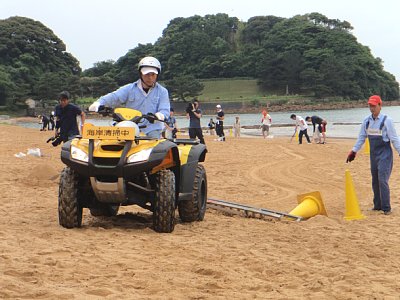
{"points": [[144, 95]]}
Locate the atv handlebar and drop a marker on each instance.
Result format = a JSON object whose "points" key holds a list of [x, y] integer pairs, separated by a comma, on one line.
{"points": [[107, 111]]}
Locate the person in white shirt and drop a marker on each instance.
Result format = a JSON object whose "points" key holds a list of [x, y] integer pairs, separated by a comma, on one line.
{"points": [[266, 122], [303, 128]]}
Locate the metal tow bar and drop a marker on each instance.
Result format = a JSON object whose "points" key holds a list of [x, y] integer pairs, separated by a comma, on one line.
{"points": [[249, 211]]}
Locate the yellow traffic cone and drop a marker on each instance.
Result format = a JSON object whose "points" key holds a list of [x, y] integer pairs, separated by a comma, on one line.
{"points": [[310, 205], [366, 147], [352, 207]]}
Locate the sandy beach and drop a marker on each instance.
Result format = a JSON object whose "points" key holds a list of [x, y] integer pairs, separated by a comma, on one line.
{"points": [[223, 257]]}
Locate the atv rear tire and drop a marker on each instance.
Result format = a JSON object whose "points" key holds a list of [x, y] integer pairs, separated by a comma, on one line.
{"points": [[105, 210], [195, 208], [69, 208], [164, 202]]}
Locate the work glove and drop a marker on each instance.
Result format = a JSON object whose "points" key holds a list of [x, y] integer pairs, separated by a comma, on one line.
{"points": [[152, 117], [351, 156], [160, 116], [94, 106]]}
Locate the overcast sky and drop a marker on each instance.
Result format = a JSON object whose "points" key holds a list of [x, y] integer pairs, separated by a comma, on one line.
{"points": [[98, 30]]}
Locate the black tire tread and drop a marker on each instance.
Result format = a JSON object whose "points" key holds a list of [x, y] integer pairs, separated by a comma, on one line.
{"points": [[194, 209], [164, 202], [69, 208]]}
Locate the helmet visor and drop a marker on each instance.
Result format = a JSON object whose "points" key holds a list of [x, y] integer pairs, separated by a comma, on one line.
{"points": [[147, 70]]}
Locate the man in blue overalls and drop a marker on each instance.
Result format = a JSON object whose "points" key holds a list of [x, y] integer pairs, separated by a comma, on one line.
{"points": [[380, 131]]}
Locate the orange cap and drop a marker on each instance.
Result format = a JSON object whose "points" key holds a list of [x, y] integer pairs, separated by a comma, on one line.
{"points": [[374, 100]]}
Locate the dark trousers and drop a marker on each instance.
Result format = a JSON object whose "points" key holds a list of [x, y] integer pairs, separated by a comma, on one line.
{"points": [[301, 133], [45, 125], [196, 132], [219, 129]]}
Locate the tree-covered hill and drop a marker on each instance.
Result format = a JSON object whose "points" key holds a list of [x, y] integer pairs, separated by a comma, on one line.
{"points": [[33, 61], [307, 55]]}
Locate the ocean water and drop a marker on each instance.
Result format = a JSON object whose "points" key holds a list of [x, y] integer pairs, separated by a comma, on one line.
{"points": [[343, 123]]}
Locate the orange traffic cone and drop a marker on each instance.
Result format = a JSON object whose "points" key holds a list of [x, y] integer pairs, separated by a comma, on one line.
{"points": [[352, 207], [366, 147], [310, 205]]}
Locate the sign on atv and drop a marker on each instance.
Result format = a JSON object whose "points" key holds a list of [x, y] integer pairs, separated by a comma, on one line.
{"points": [[90, 131]]}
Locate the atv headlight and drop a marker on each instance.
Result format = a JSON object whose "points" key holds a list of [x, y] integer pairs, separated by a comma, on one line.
{"points": [[78, 154], [140, 156]]}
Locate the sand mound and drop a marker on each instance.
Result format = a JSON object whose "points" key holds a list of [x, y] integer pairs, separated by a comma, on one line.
{"points": [[43, 171]]}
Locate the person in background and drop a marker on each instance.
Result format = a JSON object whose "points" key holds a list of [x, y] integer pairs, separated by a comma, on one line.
{"points": [[44, 121], [211, 126], [171, 127], [303, 128], [380, 131], [145, 95], [219, 127], [193, 113], [236, 127], [266, 122], [315, 120], [51, 120], [66, 113]]}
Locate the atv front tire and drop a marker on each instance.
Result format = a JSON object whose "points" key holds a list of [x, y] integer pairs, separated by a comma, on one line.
{"points": [[195, 208], [164, 202], [69, 208]]}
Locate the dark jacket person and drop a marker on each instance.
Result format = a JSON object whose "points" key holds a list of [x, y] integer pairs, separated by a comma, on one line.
{"points": [[66, 113]]}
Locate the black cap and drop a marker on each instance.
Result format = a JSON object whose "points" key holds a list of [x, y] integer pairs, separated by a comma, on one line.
{"points": [[64, 95]]}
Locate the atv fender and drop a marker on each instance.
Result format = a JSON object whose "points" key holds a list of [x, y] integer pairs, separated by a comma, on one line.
{"points": [[160, 152], [188, 171]]}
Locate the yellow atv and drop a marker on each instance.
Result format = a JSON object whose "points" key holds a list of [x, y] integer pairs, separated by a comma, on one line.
{"points": [[110, 166]]}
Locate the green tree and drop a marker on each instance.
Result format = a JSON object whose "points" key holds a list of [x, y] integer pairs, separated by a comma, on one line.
{"points": [[100, 68], [29, 50], [7, 87], [308, 53], [185, 86]]}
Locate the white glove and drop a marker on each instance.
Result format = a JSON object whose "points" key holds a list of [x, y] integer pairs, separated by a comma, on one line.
{"points": [[159, 116], [94, 106]]}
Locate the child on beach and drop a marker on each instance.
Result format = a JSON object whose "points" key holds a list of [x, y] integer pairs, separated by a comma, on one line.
{"points": [[266, 122], [236, 127], [211, 126]]}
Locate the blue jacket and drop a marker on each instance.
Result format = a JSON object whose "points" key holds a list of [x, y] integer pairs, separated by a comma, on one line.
{"points": [[133, 96], [388, 132]]}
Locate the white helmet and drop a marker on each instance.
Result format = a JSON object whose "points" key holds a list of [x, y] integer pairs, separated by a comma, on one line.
{"points": [[149, 61]]}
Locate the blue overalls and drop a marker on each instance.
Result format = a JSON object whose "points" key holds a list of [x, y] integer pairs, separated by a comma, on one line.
{"points": [[381, 156]]}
